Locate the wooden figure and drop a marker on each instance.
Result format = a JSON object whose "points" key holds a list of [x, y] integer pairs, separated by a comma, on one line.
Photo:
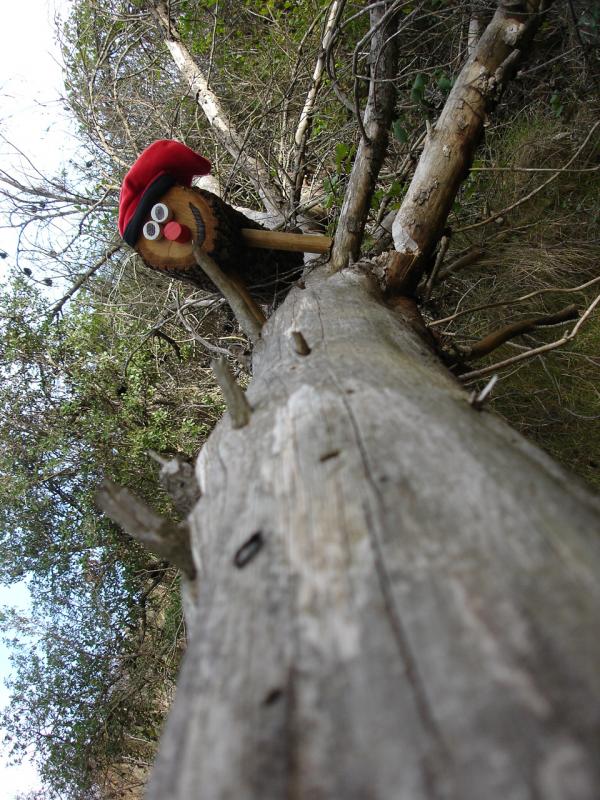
{"points": [[163, 217]]}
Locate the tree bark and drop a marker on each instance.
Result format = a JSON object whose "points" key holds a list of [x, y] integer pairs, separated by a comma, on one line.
{"points": [[451, 142], [397, 595]]}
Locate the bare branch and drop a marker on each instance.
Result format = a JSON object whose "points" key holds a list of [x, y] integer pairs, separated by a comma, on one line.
{"points": [[216, 115], [79, 282], [304, 124], [497, 338], [372, 147], [512, 301], [247, 312], [535, 191], [233, 394], [449, 147], [161, 536], [535, 351]]}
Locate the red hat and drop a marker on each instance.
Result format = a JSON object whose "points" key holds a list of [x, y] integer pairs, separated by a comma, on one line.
{"points": [[161, 165]]}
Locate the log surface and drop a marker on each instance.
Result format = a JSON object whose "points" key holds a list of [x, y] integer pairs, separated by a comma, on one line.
{"points": [[398, 596]]}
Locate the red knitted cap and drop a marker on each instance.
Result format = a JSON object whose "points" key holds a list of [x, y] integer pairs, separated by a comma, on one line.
{"points": [[162, 164]]}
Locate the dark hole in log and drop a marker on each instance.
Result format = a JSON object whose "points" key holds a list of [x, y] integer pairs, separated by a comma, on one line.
{"points": [[272, 697], [328, 455], [248, 550]]}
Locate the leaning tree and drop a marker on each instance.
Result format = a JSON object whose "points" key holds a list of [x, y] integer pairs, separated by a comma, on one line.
{"points": [[390, 593]]}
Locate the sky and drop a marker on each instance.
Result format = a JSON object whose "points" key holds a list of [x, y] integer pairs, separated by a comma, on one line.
{"points": [[31, 117]]}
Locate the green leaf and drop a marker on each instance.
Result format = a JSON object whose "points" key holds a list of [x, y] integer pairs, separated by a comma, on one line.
{"points": [[342, 151], [400, 132], [417, 91], [444, 82]]}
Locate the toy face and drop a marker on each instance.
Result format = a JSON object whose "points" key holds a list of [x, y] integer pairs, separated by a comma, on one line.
{"points": [[172, 228]]}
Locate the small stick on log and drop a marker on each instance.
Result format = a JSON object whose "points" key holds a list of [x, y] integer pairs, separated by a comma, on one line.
{"points": [[300, 343], [166, 539], [502, 335], [439, 260], [246, 311], [237, 403], [477, 399]]}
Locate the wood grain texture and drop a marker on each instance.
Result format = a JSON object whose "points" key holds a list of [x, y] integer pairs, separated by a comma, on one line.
{"points": [[421, 618]]}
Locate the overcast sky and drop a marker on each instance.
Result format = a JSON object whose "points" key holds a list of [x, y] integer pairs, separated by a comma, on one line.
{"points": [[30, 116]]}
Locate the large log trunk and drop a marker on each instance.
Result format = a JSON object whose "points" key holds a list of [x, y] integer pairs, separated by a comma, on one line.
{"points": [[415, 613]]}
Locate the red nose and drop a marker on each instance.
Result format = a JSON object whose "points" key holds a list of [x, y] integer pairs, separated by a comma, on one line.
{"points": [[175, 232]]}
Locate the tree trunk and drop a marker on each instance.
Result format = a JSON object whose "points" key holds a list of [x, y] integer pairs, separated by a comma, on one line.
{"points": [[397, 594]]}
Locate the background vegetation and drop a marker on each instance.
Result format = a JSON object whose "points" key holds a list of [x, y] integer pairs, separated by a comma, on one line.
{"points": [[91, 380]]}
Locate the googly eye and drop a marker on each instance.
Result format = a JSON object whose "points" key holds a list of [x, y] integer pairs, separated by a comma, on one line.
{"points": [[161, 213], [152, 231]]}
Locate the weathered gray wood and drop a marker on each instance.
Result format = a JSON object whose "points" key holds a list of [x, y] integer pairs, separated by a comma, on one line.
{"points": [[419, 615], [451, 142]]}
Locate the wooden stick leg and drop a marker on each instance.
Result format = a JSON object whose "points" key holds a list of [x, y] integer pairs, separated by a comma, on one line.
{"points": [[280, 240], [253, 307]]}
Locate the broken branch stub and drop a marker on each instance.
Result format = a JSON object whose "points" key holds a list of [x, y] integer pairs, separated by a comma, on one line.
{"points": [[163, 537], [233, 394]]}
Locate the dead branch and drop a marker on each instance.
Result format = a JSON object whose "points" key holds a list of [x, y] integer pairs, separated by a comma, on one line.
{"points": [[512, 301], [497, 338], [535, 191], [79, 282], [305, 121], [470, 257], [216, 115], [372, 147], [161, 536], [245, 309], [535, 351], [450, 145], [439, 260], [233, 394]]}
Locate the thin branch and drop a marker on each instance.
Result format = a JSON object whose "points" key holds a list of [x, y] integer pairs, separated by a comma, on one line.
{"points": [[465, 260], [536, 351], [372, 147], [161, 536], [78, 283], [512, 301], [233, 394], [305, 121], [535, 191], [499, 337], [245, 309], [216, 115], [439, 260]]}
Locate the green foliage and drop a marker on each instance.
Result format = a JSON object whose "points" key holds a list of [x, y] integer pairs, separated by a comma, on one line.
{"points": [[95, 663], [417, 92]]}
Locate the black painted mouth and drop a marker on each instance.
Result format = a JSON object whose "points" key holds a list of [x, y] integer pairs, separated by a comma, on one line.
{"points": [[200, 229]]}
